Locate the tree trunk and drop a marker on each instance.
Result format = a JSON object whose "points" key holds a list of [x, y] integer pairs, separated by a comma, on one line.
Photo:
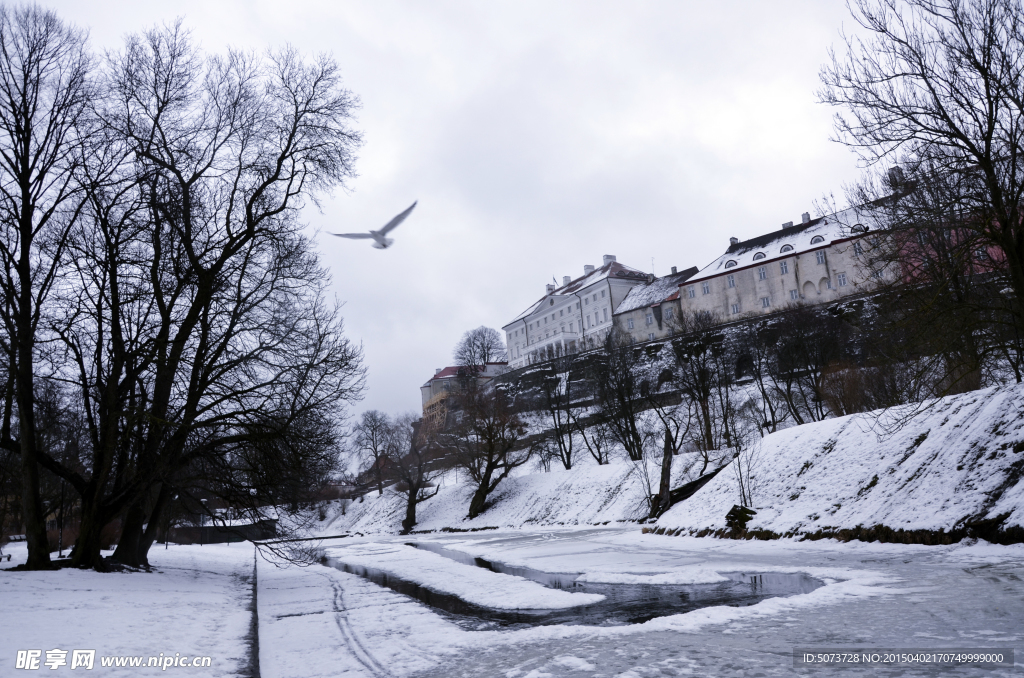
{"points": [[88, 544], [127, 552], [665, 489], [31, 502], [410, 510], [149, 536], [479, 501]]}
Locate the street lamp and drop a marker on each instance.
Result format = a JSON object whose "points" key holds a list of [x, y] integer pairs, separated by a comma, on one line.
{"points": [[202, 521]]}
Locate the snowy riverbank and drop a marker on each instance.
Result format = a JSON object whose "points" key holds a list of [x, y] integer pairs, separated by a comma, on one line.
{"points": [[957, 461]]}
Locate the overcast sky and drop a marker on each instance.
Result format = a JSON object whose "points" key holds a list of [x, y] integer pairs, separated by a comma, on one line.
{"points": [[537, 137]]}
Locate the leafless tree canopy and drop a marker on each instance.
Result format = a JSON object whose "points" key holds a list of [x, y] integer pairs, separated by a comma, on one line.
{"points": [[936, 89], [479, 347], [152, 245]]}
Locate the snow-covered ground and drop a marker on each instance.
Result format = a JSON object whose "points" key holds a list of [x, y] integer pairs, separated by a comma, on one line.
{"points": [[326, 622], [196, 602], [321, 621], [959, 459], [586, 495]]}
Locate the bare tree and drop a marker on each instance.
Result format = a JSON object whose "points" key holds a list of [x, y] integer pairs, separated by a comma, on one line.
{"points": [[619, 383], [489, 441], [44, 91], [372, 443], [415, 463], [197, 321], [479, 347], [560, 400], [936, 88]]}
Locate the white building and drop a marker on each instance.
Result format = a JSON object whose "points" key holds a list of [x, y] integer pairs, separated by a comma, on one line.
{"points": [[816, 261], [650, 311], [571, 318]]}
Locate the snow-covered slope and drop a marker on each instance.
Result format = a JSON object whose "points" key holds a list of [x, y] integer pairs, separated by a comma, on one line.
{"points": [[586, 495], [958, 460]]}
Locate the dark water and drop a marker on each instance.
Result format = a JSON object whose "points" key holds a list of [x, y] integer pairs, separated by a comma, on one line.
{"points": [[623, 603]]}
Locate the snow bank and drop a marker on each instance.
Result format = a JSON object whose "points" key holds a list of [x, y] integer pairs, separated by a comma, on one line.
{"points": [[586, 495], [958, 460], [472, 584]]}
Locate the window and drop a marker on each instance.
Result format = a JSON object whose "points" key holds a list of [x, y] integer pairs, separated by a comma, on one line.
{"points": [[545, 320], [629, 323], [586, 301], [857, 248], [816, 239], [842, 279], [706, 288], [692, 291], [783, 267], [820, 254], [649, 318], [762, 272], [786, 248], [981, 254], [589, 324], [732, 281], [759, 255], [794, 295], [765, 302], [602, 294], [859, 228], [561, 311], [606, 315], [735, 309], [828, 284], [595, 296], [730, 263], [572, 327], [668, 314], [577, 305], [650, 336]]}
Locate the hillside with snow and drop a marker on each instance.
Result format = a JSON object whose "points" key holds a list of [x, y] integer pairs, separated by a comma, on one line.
{"points": [[958, 461], [955, 462]]}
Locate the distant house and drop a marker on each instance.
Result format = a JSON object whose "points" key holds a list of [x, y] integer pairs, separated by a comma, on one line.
{"points": [[574, 317], [450, 381], [816, 261], [651, 311]]}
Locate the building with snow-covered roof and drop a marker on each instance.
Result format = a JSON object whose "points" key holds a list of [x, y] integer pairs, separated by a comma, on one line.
{"points": [[816, 261], [574, 317], [650, 310], [449, 381]]}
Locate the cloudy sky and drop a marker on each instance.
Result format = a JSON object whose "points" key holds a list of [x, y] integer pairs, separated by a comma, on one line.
{"points": [[537, 137]]}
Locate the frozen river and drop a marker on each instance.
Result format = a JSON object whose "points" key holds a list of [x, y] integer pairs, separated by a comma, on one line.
{"points": [[853, 595]]}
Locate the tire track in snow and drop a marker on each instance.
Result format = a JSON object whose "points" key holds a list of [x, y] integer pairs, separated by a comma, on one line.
{"points": [[362, 655]]}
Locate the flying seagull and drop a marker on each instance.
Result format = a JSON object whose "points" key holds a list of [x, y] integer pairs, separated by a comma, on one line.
{"points": [[380, 242]]}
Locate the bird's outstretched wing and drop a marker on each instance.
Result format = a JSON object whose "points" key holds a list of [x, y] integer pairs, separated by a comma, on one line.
{"points": [[391, 225], [355, 236]]}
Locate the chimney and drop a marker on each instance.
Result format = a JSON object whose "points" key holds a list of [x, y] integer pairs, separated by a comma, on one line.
{"points": [[673, 270], [788, 224], [588, 269], [805, 217], [566, 280], [437, 370], [608, 258], [733, 241], [550, 288]]}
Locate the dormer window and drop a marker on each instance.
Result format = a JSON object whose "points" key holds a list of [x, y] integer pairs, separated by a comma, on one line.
{"points": [[786, 248], [730, 263], [759, 255], [816, 239]]}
